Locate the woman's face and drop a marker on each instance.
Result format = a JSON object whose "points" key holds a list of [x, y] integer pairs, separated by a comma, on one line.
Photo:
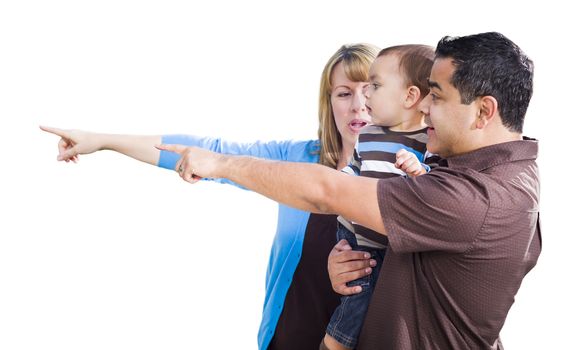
{"points": [[348, 104]]}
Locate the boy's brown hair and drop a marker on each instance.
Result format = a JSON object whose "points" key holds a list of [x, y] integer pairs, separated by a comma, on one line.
{"points": [[415, 64]]}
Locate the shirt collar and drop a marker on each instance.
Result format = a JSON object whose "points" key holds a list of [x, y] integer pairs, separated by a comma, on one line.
{"points": [[490, 156]]}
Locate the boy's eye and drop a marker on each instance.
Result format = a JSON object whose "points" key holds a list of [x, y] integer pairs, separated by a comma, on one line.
{"points": [[433, 96]]}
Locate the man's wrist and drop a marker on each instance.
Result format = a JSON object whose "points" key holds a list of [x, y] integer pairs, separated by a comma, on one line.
{"points": [[223, 165]]}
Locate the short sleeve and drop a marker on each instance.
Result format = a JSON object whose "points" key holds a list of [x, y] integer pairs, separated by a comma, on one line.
{"points": [[443, 210]]}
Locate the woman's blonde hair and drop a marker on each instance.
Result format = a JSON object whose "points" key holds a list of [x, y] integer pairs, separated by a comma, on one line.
{"points": [[356, 60]]}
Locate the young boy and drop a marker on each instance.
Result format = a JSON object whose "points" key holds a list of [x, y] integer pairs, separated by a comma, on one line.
{"points": [[394, 145]]}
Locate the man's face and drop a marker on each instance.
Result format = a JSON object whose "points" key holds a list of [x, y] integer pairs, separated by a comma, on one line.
{"points": [[451, 122]]}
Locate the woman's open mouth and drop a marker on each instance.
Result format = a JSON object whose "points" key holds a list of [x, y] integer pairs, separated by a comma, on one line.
{"points": [[357, 124]]}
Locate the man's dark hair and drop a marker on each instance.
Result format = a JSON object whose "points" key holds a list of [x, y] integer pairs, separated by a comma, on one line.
{"points": [[489, 64]]}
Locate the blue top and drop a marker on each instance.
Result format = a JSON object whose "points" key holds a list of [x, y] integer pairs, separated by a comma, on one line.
{"points": [[287, 246]]}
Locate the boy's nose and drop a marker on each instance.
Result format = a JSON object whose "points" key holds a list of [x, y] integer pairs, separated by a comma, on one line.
{"points": [[366, 91], [425, 105]]}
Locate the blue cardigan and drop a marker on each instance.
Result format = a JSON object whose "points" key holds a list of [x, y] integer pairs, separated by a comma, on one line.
{"points": [[287, 246]]}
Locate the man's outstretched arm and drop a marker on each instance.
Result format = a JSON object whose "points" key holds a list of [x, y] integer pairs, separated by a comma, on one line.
{"points": [[310, 187]]}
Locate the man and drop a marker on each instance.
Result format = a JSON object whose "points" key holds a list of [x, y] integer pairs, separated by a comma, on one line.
{"points": [[462, 237]]}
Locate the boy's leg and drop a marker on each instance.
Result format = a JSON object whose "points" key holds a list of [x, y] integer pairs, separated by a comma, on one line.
{"points": [[346, 322], [329, 343]]}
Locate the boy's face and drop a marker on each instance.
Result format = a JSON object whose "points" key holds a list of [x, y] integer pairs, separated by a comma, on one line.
{"points": [[387, 91]]}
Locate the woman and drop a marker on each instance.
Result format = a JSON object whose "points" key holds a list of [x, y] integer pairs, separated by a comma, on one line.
{"points": [[299, 299]]}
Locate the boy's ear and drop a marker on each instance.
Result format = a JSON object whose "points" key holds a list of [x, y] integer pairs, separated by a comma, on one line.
{"points": [[488, 109], [412, 97]]}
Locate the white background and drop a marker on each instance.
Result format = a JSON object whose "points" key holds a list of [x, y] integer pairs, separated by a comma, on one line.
{"points": [[115, 254]]}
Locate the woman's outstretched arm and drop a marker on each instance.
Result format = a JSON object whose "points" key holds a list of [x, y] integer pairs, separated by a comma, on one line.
{"points": [[76, 142]]}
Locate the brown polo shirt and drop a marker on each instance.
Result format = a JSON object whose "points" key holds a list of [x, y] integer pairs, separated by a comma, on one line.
{"points": [[461, 239]]}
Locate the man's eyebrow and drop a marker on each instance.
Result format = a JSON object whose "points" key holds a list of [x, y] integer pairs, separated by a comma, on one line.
{"points": [[433, 84]]}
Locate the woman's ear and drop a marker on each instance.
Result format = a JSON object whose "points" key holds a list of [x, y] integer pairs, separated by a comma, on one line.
{"points": [[413, 95]]}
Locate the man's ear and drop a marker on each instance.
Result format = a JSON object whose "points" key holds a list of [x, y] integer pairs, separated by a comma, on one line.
{"points": [[487, 112], [413, 95]]}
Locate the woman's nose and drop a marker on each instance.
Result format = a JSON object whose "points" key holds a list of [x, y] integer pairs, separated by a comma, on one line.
{"points": [[359, 103]]}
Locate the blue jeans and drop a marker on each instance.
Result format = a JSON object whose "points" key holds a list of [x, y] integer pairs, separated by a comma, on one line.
{"points": [[347, 319]]}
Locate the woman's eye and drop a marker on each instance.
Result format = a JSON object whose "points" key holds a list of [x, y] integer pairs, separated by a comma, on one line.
{"points": [[375, 86], [344, 94]]}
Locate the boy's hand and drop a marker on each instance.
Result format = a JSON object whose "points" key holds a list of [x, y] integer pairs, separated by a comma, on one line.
{"points": [[408, 163]]}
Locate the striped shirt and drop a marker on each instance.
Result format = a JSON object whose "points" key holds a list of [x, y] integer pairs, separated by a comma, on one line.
{"points": [[374, 156]]}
